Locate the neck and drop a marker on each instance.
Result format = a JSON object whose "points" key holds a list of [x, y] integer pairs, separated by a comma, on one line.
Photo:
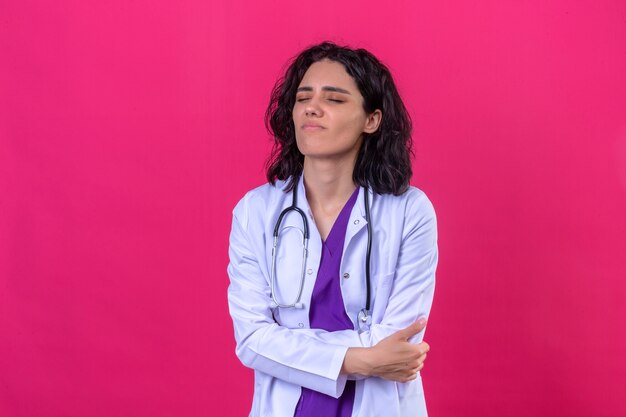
{"points": [[328, 183]]}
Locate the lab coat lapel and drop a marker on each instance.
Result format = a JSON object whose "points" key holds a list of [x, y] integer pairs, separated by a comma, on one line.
{"points": [[355, 224], [357, 219], [352, 270]]}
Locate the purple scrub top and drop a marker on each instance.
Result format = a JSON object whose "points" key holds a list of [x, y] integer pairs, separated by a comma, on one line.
{"points": [[327, 312]]}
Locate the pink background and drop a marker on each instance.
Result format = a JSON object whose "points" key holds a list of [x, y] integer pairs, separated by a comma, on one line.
{"points": [[129, 130]]}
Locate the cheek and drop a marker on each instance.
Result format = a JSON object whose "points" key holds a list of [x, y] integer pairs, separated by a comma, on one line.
{"points": [[352, 123]]}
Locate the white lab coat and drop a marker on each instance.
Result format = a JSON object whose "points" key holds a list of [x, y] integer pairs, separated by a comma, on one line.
{"points": [[279, 344]]}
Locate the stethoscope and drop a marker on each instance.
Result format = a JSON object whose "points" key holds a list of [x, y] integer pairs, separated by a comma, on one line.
{"points": [[364, 315]]}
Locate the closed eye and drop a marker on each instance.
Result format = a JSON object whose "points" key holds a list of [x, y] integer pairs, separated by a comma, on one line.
{"points": [[334, 100]]}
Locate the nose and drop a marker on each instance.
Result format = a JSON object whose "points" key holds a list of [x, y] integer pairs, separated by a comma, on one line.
{"points": [[312, 108]]}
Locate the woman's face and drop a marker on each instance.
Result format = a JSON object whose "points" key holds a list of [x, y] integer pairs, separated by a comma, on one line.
{"points": [[328, 113]]}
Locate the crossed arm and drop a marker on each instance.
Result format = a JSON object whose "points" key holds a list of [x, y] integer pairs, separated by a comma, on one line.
{"points": [[322, 360]]}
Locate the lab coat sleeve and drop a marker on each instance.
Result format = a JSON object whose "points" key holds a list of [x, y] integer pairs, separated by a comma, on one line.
{"points": [[412, 287], [261, 343]]}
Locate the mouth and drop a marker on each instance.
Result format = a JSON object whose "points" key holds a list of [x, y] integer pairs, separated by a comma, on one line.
{"points": [[312, 126]]}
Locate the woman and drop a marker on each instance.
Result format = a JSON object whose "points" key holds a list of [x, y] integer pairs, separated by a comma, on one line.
{"points": [[332, 324]]}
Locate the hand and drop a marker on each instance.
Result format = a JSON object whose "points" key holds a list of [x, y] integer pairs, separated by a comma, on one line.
{"points": [[394, 358], [397, 359]]}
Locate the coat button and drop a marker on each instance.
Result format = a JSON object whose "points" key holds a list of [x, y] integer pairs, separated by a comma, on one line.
{"points": [[346, 275], [309, 271], [301, 324], [356, 221]]}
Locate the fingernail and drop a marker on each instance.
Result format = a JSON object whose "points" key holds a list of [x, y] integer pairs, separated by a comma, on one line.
{"points": [[422, 321]]}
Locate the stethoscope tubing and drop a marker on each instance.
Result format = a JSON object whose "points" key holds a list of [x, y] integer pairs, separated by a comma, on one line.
{"points": [[368, 253], [305, 241], [305, 246]]}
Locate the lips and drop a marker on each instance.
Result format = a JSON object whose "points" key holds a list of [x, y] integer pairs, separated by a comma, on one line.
{"points": [[312, 126]]}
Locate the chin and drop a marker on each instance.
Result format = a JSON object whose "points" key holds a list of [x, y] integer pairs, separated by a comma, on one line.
{"points": [[320, 149], [326, 154]]}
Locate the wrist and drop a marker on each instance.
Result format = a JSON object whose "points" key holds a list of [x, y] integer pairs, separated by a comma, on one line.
{"points": [[358, 361]]}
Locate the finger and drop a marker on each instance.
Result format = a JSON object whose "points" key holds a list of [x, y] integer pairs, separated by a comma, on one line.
{"points": [[399, 376], [411, 375], [412, 329], [424, 347], [410, 378], [418, 354]]}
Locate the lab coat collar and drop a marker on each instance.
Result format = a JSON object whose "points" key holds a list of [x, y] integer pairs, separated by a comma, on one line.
{"points": [[357, 215]]}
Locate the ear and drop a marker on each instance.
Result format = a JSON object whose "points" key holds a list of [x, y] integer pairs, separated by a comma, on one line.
{"points": [[373, 121]]}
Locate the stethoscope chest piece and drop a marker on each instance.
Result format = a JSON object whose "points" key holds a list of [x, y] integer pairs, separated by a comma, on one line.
{"points": [[364, 320]]}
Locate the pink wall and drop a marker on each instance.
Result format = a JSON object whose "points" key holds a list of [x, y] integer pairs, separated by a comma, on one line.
{"points": [[128, 131]]}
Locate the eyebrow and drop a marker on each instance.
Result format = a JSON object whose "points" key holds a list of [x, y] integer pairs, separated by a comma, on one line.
{"points": [[325, 88]]}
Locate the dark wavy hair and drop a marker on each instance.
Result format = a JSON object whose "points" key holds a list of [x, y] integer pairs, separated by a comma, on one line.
{"points": [[384, 159]]}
